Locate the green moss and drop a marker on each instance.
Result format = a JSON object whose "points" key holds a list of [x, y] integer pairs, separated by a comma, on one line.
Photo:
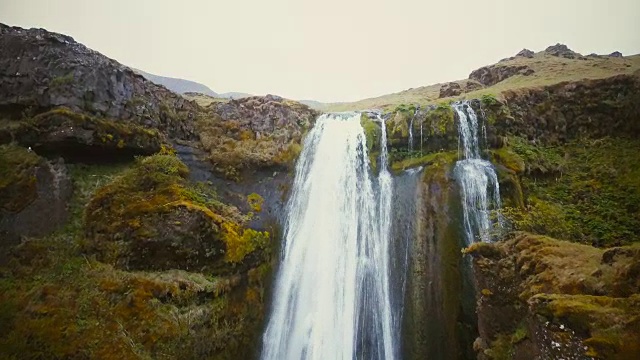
{"points": [[592, 186], [613, 324], [17, 177], [58, 302], [509, 159], [434, 159], [131, 208], [440, 121], [372, 132]]}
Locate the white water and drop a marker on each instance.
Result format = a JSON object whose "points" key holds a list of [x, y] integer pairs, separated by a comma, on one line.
{"points": [[411, 130], [477, 179], [331, 299]]}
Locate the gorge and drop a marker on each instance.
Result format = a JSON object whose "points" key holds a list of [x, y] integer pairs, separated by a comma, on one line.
{"points": [[491, 218]]}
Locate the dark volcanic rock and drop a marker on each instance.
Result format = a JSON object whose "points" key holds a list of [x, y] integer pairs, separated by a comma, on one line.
{"points": [[562, 50], [493, 74], [450, 89], [40, 70]]}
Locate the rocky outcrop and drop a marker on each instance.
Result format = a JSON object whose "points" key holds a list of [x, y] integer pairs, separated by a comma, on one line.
{"points": [[151, 218], [556, 113], [525, 53], [79, 137], [493, 74], [254, 132], [616, 54], [34, 194], [562, 50], [269, 115], [455, 89], [450, 89], [40, 70], [545, 298]]}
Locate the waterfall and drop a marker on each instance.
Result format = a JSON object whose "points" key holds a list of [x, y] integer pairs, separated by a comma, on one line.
{"points": [[331, 297], [477, 178], [411, 130]]}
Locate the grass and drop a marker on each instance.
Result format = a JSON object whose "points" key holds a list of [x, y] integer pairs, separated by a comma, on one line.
{"points": [[586, 191], [548, 70]]}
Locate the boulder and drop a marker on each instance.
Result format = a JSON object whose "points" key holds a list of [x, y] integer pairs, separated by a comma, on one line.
{"points": [[525, 53], [616, 54], [450, 89], [493, 74], [152, 218], [562, 50]]}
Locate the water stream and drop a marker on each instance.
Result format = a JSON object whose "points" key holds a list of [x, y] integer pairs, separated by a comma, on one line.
{"points": [[332, 298], [477, 178]]}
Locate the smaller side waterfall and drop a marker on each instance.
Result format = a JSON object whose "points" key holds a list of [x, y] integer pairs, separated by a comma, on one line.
{"points": [[477, 178], [411, 130]]}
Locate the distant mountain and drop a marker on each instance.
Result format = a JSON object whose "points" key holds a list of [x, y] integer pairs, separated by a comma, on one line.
{"points": [[176, 85]]}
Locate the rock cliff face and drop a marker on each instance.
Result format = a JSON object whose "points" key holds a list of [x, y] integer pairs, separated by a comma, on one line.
{"points": [[176, 258], [41, 70]]}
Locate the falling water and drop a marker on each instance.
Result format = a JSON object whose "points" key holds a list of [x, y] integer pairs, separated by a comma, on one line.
{"points": [[477, 178], [411, 130], [331, 299]]}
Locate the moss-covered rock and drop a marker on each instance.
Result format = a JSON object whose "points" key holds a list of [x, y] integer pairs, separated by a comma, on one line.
{"points": [[583, 298], [78, 136], [152, 218], [58, 301]]}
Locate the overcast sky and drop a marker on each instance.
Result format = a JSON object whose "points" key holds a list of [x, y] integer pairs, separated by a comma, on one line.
{"points": [[328, 50]]}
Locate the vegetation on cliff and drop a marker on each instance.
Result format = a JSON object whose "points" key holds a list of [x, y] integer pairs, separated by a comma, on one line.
{"points": [[579, 292], [58, 300]]}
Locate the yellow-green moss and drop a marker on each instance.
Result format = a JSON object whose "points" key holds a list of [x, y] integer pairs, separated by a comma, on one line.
{"points": [[255, 202], [57, 302], [372, 132], [156, 185], [434, 159], [17, 177], [591, 186], [509, 159], [613, 324]]}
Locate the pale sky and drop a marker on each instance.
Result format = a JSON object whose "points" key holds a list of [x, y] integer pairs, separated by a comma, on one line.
{"points": [[328, 50]]}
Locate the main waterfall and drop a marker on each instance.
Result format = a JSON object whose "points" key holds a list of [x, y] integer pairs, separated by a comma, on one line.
{"points": [[332, 298], [477, 178]]}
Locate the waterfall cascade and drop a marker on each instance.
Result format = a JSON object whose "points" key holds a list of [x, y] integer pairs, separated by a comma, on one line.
{"points": [[477, 178], [332, 298]]}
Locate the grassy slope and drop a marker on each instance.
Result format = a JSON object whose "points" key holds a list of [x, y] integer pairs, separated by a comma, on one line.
{"points": [[548, 70]]}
